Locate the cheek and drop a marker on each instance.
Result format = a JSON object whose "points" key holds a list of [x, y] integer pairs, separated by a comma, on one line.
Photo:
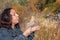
{"points": [[15, 19]]}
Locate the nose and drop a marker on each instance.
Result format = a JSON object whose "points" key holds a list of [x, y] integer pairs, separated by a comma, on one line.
{"points": [[17, 15]]}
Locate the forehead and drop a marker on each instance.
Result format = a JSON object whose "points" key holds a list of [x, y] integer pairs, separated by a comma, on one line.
{"points": [[12, 11]]}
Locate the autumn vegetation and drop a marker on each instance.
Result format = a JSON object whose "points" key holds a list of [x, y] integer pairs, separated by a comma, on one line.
{"points": [[45, 12]]}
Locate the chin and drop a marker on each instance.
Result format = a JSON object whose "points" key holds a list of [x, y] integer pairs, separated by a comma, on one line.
{"points": [[17, 22]]}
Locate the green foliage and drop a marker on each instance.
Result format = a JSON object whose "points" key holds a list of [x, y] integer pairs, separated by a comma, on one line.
{"points": [[50, 1], [23, 2]]}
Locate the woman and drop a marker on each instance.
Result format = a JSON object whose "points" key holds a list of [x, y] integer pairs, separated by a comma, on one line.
{"points": [[9, 27]]}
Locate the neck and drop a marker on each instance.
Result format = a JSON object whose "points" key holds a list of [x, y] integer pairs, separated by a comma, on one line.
{"points": [[13, 26]]}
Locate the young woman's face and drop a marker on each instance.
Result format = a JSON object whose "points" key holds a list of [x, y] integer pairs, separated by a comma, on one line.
{"points": [[15, 18]]}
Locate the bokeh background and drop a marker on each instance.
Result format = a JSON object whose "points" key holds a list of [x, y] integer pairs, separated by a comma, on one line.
{"points": [[46, 13]]}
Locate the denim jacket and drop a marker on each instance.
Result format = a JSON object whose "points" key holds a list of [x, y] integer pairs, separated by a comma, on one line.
{"points": [[16, 34]]}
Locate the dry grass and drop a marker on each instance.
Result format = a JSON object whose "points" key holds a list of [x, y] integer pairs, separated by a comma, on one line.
{"points": [[51, 27]]}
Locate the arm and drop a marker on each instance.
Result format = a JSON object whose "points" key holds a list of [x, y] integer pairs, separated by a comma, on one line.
{"points": [[23, 37], [4, 35], [20, 33], [20, 37], [28, 34], [31, 36], [7, 37]]}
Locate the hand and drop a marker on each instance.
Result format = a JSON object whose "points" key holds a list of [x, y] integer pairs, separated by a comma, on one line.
{"points": [[35, 28], [30, 30], [27, 32]]}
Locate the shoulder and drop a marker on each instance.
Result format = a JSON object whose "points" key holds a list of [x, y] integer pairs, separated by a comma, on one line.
{"points": [[4, 35], [0, 32], [3, 31]]}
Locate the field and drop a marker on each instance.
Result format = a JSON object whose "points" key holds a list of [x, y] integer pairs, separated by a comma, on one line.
{"points": [[46, 14]]}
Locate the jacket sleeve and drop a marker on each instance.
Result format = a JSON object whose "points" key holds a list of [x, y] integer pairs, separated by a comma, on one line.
{"points": [[20, 37], [31, 36]]}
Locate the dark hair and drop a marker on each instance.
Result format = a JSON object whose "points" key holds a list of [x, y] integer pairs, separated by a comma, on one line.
{"points": [[5, 18]]}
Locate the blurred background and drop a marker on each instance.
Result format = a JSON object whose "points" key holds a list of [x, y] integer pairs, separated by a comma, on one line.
{"points": [[45, 12]]}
